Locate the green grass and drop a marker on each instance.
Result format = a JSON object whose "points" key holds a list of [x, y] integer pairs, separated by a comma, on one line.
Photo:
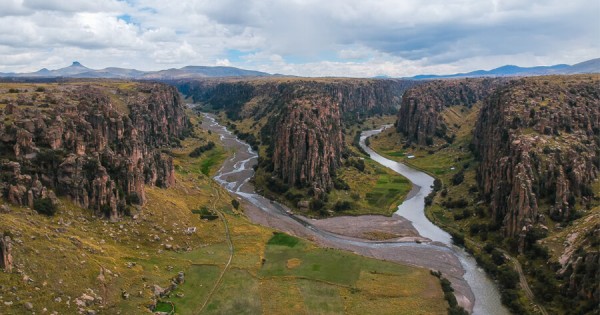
{"points": [[199, 280], [322, 264], [320, 297], [163, 307], [331, 281], [239, 293], [211, 159], [283, 239]]}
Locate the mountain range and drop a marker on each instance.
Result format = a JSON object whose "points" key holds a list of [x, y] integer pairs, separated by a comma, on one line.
{"points": [[590, 66], [77, 70]]}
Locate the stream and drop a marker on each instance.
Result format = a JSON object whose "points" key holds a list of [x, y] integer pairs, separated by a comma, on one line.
{"points": [[474, 290], [487, 297]]}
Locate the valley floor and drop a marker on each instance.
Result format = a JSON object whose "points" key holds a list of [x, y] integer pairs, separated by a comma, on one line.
{"points": [[77, 263]]}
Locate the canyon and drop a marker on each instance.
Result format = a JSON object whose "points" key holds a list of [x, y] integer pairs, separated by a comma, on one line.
{"points": [[515, 162]]}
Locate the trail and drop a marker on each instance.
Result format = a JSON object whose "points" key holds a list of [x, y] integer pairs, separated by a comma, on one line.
{"points": [[523, 281], [231, 250]]}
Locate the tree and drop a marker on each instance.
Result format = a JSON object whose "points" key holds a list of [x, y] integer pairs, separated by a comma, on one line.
{"points": [[44, 206], [235, 203]]}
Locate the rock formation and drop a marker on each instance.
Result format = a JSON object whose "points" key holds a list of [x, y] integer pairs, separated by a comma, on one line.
{"points": [[538, 142], [303, 118], [98, 145], [6, 260], [308, 143], [420, 115]]}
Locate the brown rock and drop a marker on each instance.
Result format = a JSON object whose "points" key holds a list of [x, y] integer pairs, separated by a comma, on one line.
{"points": [[6, 261]]}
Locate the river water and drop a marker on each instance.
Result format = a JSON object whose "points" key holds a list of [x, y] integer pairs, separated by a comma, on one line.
{"points": [[470, 282], [487, 297]]}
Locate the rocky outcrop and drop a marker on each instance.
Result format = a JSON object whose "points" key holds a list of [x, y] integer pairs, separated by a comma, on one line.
{"points": [[308, 143], [98, 145], [420, 115], [357, 98], [538, 142], [6, 260], [301, 119]]}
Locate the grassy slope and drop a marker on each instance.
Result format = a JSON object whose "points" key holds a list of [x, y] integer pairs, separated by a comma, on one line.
{"points": [[64, 255]]}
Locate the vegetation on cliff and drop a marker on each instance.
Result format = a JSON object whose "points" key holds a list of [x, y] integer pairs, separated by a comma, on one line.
{"points": [[520, 178], [96, 142]]}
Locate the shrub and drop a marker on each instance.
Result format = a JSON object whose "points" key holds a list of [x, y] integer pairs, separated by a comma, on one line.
{"points": [[340, 184], [235, 203], [44, 206], [458, 239], [201, 149], [316, 204], [458, 178], [342, 205]]}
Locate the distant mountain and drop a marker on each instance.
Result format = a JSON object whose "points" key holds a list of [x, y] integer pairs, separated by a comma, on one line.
{"points": [[590, 66], [77, 70]]}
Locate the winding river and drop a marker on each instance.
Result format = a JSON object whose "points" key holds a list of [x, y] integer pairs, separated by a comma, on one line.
{"points": [[473, 289]]}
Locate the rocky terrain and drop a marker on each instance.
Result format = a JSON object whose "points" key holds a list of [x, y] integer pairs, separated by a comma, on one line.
{"points": [[420, 117], [97, 144], [522, 175], [538, 142], [299, 121]]}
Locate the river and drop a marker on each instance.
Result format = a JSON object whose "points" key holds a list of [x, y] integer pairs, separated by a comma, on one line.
{"points": [[473, 289]]}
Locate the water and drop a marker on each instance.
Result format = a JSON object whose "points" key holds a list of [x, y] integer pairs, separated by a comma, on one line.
{"points": [[235, 175], [487, 297]]}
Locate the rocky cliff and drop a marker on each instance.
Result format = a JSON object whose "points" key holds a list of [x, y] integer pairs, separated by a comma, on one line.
{"points": [[300, 120], [420, 115], [98, 144], [538, 142]]}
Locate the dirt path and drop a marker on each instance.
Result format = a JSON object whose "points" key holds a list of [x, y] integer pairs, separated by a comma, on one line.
{"points": [[523, 281], [231, 250]]}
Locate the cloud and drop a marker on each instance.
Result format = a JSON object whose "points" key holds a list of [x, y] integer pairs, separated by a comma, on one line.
{"points": [[303, 37]]}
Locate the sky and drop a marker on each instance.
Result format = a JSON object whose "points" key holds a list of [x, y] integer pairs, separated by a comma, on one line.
{"points": [[355, 38]]}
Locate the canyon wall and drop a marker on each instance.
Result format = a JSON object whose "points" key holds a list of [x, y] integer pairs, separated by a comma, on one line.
{"points": [[98, 144], [538, 143], [420, 115], [301, 120]]}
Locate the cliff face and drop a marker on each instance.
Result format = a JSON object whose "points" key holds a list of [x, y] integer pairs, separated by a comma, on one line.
{"points": [[301, 119], [420, 115], [308, 143], [98, 145], [357, 98], [538, 142]]}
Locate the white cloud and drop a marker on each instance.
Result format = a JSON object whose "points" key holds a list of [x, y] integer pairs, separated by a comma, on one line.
{"points": [[302, 37]]}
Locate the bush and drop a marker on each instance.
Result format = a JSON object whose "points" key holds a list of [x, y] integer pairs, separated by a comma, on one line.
{"points": [[359, 164], [44, 206], [316, 204], [458, 239], [340, 184], [342, 205], [458, 178], [133, 198], [201, 149], [453, 204], [235, 203], [507, 277]]}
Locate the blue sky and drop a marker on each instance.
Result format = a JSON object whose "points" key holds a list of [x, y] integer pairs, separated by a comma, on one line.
{"points": [[301, 37]]}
